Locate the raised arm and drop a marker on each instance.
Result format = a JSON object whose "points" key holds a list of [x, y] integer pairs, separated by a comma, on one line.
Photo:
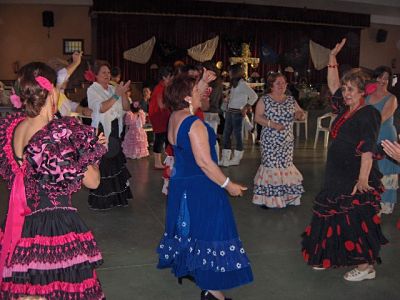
{"points": [[333, 71], [201, 150], [76, 61]]}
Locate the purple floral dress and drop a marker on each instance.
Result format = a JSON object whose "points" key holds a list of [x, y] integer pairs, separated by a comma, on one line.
{"points": [[53, 253]]}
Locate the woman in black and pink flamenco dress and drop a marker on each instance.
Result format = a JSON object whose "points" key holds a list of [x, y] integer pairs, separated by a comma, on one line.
{"points": [[47, 251], [345, 228]]}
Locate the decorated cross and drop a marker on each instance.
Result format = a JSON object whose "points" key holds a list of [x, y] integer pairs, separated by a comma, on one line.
{"points": [[245, 60]]}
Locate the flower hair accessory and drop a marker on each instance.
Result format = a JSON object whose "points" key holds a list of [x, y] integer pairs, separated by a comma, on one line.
{"points": [[370, 88], [44, 83], [15, 99], [90, 76], [136, 104]]}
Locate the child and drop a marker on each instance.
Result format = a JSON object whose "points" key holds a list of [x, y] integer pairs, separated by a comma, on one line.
{"points": [[135, 144]]}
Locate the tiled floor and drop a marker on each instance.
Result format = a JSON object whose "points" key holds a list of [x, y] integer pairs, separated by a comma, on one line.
{"points": [[128, 238]]}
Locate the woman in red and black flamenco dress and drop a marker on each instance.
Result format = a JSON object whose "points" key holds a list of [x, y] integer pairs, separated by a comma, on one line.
{"points": [[345, 227], [46, 251]]}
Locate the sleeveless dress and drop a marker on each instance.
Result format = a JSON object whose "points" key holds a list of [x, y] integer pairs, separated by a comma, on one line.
{"points": [[135, 143], [278, 182], [388, 168], [51, 253], [200, 238], [345, 229]]}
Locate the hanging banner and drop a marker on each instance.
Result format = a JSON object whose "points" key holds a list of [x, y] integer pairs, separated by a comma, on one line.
{"points": [[204, 51], [319, 55], [142, 53]]}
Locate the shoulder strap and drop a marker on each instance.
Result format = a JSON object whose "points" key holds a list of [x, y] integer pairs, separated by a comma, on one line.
{"points": [[185, 127]]}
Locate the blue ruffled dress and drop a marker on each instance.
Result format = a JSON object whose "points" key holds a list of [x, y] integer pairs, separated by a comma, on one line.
{"points": [[200, 238]]}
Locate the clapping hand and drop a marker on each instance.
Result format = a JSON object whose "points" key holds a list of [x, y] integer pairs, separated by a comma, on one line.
{"points": [[122, 88], [392, 149]]}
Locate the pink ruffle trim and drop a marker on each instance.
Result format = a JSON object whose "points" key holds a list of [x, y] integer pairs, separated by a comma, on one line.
{"points": [[37, 289], [50, 266], [56, 240]]}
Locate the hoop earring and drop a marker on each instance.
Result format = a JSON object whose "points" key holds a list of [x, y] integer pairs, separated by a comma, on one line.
{"points": [[191, 108]]}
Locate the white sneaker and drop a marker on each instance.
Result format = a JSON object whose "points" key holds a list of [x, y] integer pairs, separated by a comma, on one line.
{"points": [[386, 208], [357, 275]]}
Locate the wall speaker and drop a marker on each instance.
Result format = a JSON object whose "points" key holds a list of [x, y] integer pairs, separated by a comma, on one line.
{"points": [[48, 18], [381, 36]]}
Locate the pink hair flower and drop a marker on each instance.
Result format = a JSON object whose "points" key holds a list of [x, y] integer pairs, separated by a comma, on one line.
{"points": [[90, 76], [15, 99], [136, 104], [44, 83], [370, 88]]}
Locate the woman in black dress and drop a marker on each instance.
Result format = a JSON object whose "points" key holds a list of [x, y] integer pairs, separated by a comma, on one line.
{"points": [[344, 229], [109, 105]]}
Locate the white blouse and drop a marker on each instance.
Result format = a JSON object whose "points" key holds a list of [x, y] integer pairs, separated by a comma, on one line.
{"points": [[96, 95], [241, 95]]}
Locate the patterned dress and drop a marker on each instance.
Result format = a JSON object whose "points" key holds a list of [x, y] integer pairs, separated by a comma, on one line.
{"points": [[278, 182], [135, 143], [200, 238], [46, 249], [345, 229]]}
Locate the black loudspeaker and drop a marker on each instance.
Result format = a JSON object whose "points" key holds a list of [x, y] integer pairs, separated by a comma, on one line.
{"points": [[381, 36], [48, 18]]}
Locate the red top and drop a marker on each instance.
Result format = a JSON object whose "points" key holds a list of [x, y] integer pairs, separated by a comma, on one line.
{"points": [[158, 116], [199, 113]]}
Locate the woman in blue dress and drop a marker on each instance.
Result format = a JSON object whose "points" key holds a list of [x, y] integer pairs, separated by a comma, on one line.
{"points": [[386, 103], [200, 240]]}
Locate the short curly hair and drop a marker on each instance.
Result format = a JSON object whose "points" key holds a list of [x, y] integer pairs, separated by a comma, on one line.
{"points": [[356, 76], [98, 64], [272, 78], [33, 96], [181, 86]]}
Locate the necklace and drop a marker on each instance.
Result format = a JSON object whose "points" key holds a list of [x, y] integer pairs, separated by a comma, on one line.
{"points": [[336, 127]]}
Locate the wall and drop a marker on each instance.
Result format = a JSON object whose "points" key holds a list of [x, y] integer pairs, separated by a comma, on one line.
{"points": [[24, 39], [374, 54]]}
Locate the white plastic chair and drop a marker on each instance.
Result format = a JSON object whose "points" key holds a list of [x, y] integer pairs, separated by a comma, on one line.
{"points": [[298, 123], [325, 130], [248, 128]]}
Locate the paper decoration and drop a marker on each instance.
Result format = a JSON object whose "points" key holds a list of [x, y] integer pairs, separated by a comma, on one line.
{"points": [[142, 53], [204, 51], [319, 55]]}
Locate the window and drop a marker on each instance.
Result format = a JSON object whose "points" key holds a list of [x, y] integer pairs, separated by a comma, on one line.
{"points": [[72, 45]]}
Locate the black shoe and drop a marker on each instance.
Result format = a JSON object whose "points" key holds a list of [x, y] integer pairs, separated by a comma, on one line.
{"points": [[206, 295], [264, 206], [188, 277]]}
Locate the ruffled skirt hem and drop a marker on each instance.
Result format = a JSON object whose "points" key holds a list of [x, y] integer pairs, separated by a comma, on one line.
{"points": [[214, 265], [344, 231]]}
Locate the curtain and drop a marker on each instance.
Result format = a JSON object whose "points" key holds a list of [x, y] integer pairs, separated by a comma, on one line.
{"points": [[116, 33]]}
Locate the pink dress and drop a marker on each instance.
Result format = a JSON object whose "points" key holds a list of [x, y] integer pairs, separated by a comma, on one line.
{"points": [[46, 250], [135, 143]]}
